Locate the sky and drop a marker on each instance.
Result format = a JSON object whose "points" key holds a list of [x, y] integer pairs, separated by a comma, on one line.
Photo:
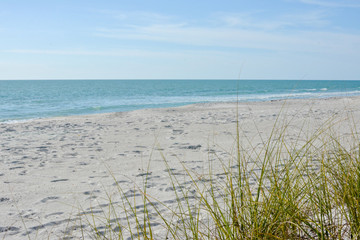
{"points": [[187, 39]]}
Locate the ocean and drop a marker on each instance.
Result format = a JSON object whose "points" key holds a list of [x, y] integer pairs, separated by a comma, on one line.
{"points": [[32, 99]]}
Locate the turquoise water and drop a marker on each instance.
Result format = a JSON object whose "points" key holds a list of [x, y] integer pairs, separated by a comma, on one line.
{"points": [[21, 100]]}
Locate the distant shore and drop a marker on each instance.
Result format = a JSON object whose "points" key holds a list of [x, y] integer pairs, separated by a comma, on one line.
{"points": [[50, 167]]}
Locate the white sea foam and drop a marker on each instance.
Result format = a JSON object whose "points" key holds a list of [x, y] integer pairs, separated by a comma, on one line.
{"points": [[9, 122]]}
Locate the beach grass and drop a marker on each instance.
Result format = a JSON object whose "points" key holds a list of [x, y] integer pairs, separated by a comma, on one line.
{"points": [[302, 188]]}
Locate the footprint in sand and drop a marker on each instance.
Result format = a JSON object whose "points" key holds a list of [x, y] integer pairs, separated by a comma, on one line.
{"points": [[49, 199], [60, 180]]}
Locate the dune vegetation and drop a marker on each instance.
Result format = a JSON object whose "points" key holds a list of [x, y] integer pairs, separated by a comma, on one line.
{"points": [[306, 188]]}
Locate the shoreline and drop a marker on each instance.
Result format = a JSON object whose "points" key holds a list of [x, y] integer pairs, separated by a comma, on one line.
{"points": [[19, 121], [53, 166]]}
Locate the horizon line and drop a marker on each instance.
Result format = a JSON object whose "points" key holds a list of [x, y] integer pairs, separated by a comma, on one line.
{"points": [[175, 79]]}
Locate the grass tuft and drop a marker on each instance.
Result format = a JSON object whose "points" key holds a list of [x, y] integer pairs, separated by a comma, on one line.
{"points": [[307, 188]]}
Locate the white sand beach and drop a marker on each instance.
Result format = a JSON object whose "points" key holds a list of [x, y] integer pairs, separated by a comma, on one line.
{"points": [[54, 169]]}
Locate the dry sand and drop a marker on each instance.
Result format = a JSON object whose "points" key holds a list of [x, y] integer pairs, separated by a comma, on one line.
{"points": [[53, 169]]}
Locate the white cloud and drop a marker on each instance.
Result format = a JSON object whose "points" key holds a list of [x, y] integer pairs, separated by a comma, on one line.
{"points": [[136, 17], [334, 3], [248, 30], [142, 53], [298, 41], [118, 53], [256, 20], [295, 44], [247, 22], [317, 18]]}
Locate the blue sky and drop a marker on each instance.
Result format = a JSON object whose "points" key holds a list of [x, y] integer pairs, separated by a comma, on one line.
{"points": [[188, 39]]}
